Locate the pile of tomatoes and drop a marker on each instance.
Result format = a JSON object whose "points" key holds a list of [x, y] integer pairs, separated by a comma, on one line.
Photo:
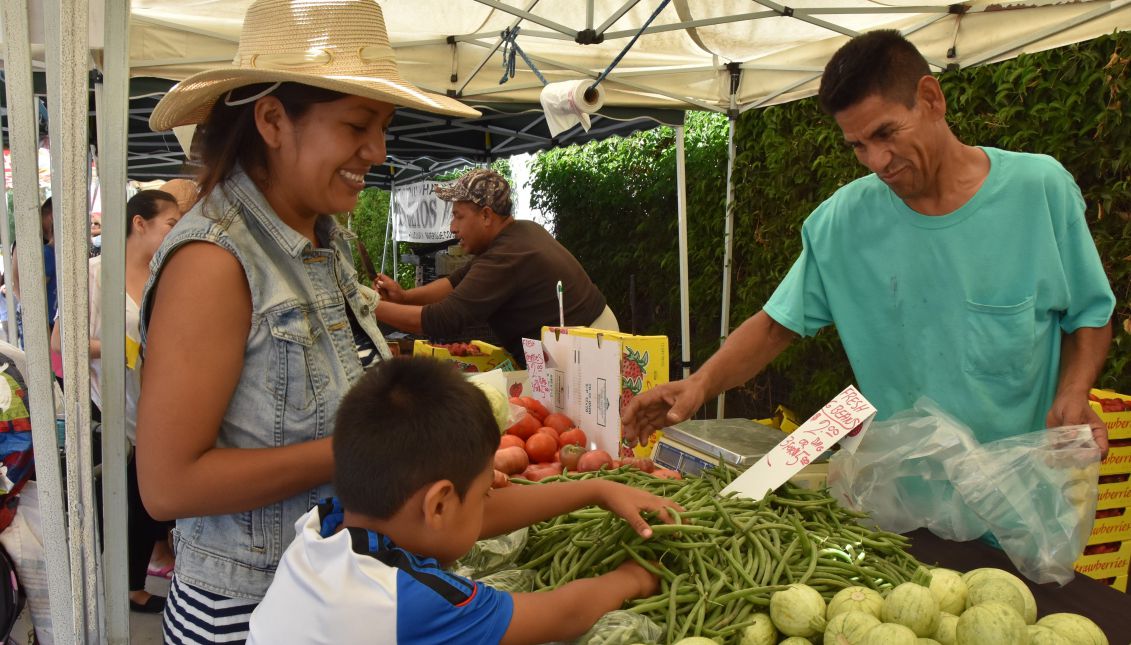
{"points": [[541, 444]]}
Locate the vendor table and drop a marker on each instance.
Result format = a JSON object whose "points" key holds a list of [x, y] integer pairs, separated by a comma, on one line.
{"points": [[1109, 608]]}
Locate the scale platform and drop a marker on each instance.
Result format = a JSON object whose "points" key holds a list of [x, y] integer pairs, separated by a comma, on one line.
{"points": [[698, 444]]}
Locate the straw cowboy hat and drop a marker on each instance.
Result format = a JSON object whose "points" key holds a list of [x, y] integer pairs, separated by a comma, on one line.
{"points": [[339, 45]]}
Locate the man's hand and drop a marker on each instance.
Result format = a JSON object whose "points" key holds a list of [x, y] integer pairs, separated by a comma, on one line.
{"points": [[629, 503], [661, 406], [1073, 409], [389, 289]]}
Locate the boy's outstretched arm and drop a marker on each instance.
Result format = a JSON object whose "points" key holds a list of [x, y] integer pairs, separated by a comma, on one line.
{"points": [[513, 507], [570, 610]]}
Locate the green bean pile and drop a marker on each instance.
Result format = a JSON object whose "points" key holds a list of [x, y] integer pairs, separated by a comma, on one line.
{"points": [[724, 556]]}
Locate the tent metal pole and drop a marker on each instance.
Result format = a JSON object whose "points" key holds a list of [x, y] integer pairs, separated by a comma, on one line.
{"points": [[498, 43], [112, 119], [9, 297], [22, 123], [389, 225], [684, 291], [728, 251], [540, 20], [65, 28]]}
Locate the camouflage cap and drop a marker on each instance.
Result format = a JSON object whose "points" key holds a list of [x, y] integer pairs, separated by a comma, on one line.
{"points": [[481, 186]]}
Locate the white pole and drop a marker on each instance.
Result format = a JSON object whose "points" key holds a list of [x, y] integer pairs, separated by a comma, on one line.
{"points": [[22, 128], [112, 118], [684, 295], [65, 29], [9, 296], [728, 252]]}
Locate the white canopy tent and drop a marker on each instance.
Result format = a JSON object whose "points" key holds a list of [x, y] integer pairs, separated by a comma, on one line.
{"points": [[720, 55]]}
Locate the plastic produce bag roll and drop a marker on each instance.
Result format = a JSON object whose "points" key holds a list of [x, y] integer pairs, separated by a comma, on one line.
{"points": [[565, 104]]}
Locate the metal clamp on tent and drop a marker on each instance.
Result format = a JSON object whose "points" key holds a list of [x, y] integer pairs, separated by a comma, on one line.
{"points": [[510, 49], [591, 93]]}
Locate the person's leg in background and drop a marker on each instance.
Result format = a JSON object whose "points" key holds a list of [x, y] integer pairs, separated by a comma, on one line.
{"points": [[142, 532]]}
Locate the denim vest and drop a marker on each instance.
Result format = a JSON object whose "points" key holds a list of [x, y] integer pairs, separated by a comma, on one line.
{"points": [[299, 361]]}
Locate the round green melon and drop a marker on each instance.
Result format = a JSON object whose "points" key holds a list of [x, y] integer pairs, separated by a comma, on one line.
{"points": [[1076, 628], [890, 634], [855, 599], [996, 590], [796, 640], [949, 590], [696, 640], [972, 578], [913, 606], [849, 627], [798, 610], [945, 634], [926, 641], [1041, 635], [991, 623], [760, 632]]}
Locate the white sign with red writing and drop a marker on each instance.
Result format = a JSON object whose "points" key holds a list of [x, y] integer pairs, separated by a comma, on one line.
{"points": [[536, 369], [847, 415]]}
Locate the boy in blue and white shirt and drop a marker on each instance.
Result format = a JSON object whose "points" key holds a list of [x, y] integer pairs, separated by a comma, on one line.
{"points": [[413, 465]]}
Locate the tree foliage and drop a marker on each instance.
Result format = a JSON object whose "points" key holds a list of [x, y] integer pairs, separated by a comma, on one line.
{"points": [[614, 202]]}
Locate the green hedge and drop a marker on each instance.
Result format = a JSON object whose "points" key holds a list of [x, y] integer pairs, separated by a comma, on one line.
{"points": [[614, 202]]}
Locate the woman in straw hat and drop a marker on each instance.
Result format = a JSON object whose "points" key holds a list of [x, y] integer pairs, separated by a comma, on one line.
{"points": [[254, 322]]}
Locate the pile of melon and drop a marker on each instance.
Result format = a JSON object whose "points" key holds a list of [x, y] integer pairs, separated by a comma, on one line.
{"points": [[981, 607]]}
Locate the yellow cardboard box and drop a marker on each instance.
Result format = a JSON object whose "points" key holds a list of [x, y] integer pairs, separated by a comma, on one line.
{"points": [[1115, 410], [1119, 583], [1111, 525], [1101, 561], [594, 373], [1114, 492], [491, 357], [1118, 461]]}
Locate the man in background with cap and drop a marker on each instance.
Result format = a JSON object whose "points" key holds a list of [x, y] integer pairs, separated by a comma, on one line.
{"points": [[511, 283]]}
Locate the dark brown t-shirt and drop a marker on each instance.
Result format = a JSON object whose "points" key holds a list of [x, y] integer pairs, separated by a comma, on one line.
{"points": [[512, 286]]}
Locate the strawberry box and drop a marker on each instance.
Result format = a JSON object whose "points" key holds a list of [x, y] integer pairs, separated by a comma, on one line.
{"points": [[1111, 525], [1115, 410], [1114, 492], [1107, 560], [474, 356]]}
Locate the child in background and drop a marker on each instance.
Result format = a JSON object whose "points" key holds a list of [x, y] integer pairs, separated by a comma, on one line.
{"points": [[413, 449]]}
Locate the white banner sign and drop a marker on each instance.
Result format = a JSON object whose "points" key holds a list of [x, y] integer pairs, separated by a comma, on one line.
{"points": [[420, 216]]}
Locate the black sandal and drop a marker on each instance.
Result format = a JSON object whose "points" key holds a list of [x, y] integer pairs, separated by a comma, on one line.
{"points": [[155, 605]]}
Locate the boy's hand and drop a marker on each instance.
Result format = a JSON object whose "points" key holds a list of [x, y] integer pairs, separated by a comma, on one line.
{"points": [[648, 582], [629, 503]]}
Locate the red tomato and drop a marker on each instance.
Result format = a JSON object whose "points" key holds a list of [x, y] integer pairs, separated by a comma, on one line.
{"points": [[535, 406], [511, 460], [570, 454], [538, 472], [664, 473], [547, 430], [573, 436], [541, 448], [594, 460], [524, 427], [558, 421], [643, 465], [508, 440]]}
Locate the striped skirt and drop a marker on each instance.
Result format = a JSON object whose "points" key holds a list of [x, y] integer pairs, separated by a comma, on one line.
{"points": [[194, 616]]}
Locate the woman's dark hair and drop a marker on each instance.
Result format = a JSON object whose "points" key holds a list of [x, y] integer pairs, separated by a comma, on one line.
{"points": [[229, 136], [146, 204]]}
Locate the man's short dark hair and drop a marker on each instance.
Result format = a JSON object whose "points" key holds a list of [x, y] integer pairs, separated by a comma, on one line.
{"points": [[879, 62], [408, 423], [46, 208]]}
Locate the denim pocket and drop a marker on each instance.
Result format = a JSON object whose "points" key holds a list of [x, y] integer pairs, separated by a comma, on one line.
{"points": [[293, 376], [998, 338]]}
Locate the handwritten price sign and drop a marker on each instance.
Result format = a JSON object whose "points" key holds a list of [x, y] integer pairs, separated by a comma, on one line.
{"points": [[536, 369], [844, 416]]}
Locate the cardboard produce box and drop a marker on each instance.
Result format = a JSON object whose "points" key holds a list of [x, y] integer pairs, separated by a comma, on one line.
{"points": [[1118, 461], [1111, 525], [590, 375], [489, 357], [1114, 492], [1119, 583], [1115, 410], [1108, 560]]}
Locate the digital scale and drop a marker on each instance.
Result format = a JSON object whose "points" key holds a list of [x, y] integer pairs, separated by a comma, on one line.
{"points": [[695, 445]]}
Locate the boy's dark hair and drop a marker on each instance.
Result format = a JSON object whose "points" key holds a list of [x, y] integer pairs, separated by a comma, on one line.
{"points": [[146, 204], [46, 208], [405, 424], [879, 62]]}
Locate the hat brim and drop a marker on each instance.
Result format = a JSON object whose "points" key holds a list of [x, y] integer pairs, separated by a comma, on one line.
{"points": [[191, 100]]}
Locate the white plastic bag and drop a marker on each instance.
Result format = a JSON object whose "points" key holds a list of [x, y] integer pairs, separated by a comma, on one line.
{"points": [[1036, 493]]}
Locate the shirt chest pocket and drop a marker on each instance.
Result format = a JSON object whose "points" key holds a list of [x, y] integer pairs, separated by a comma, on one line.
{"points": [[999, 338], [293, 377]]}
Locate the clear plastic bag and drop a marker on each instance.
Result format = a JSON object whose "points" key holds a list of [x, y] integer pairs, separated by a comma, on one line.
{"points": [[1036, 493], [490, 556], [621, 628]]}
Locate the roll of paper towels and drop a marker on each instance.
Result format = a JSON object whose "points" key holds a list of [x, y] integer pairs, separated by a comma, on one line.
{"points": [[565, 104]]}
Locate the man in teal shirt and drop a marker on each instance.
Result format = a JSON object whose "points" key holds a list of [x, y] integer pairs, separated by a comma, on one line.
{"points": [[960, 273]]}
